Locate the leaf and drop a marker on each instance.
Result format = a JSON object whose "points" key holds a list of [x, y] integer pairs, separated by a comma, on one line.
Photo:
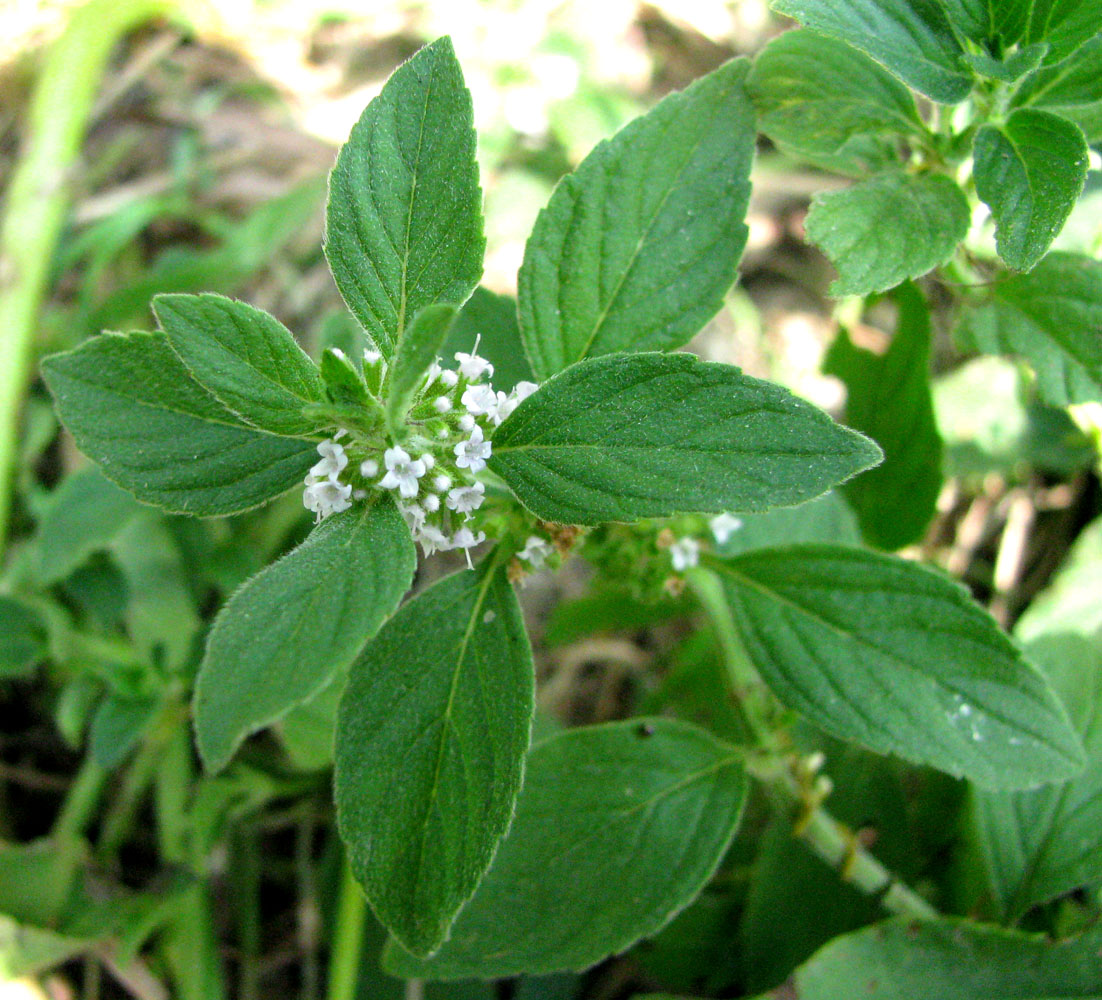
{"points": [[949, 959], [888, 399], [825, 519], [1010, 68], [1050, 317], [83, 515], [417, 348], [431, 737], [665, 434], [1043, 843], [116, 728], [22, 638], [912, 38], [637, 248], [1030, 172], [618, 827], [492, 319], [133, 408], [1064, 25], [815, 93], [870, 257], [886, 653], [1070, 601], [404, 219], [299, 623], [246, 359], [1069, 89]]}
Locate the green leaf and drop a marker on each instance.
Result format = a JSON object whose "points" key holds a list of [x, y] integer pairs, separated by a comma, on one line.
{"points": [[637, 248], [886, 653], [618, 827], [299, 623], [869, 255], [1069, 89], [492, 320], [815, 93], [83, 515], [665, 434], [22, 638], [28, 951], [950, 959], [1040, 844], [912, 38], [1030, 172], [246, 359], [888, 398], [307, 730], [1050, 317], [418, 346], [404, 219], [133, 408], [1064, 24], [431, 737], [1070, 602], [1010, 68], [117, 726], [825, 519]]}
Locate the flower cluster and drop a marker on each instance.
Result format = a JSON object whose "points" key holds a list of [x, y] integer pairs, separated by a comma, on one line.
{"points": [[432, 470]]}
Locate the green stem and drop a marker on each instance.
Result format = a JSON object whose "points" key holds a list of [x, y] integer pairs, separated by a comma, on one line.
{"points": [[38, 196], [81, 801], [348, 933]]}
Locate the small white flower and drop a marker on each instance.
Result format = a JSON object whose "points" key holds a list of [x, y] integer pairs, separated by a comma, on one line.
{"points": [[432, 539], [402, 472], [472, 453], [466, 540], [466, 423], [441, 404], [535, 551], [431, 502], [441, 482], [333, 460], [465, 499], [479, 400], [327, 497], [428, 459], [369, 468], [522, 390], [471, 366], [413, 515], [506, 404], [724, 526], [448, 377], [685, 553]]}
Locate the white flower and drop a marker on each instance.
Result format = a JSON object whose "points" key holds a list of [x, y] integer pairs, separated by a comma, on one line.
{"points": [[431, 539], [402, 472], [333, 460], [522, 390], [535, 551], [472, 453], [441, 404], [471, 366], [466, 423], [464, 499], [413, 515], [448, 377], [685, 553], [441, 482], [724, 526], [369, 468], [506, 404], [429, 460], [431, 503], [327, 497], [466, 539], [479, 400]]}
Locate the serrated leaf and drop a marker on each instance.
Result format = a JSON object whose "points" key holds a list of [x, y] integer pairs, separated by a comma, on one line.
{"points": [[404, 218], [815, 93], [888, 399], [83, 515], [870, 257], [637, 247], [1051, 318], [1069, 89], [1070, 601], [491, 319], [418, 346], [22, 638], [134, 408], [245, 358], [1029, 171], [299, 623], [950, 959], [665, 434], [431, 736], [912, 38], [1043, 843], [618, 827], [1064, 25], [886, 653]]}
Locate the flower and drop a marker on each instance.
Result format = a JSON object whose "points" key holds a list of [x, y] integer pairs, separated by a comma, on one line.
{"points": [[471, 366], [402, 472], [472, 453], [506, 404], [326, 497], [431, 502], [480, 400], [333, 460], [431, 539], [442, 404], [369, 468], [685, 553], [466, 539], [535, 551], [441, 481], [464, 499], [414, 516], [724, 526]]}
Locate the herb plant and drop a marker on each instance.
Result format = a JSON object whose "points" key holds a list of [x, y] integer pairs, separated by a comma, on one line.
{"points": [[572, 425]]}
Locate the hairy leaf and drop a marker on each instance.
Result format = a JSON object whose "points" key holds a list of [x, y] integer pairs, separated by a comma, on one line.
{"points": [[431, 737], [404, 220], [596, 861], [1069, 89], [491, 320], [665, 434], [638, 246], [418, 346]]}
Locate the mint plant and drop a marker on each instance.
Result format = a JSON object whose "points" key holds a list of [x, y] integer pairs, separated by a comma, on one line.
{"points": [[573, 425]]}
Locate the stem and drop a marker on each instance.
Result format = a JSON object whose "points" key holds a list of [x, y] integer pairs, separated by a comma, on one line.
{"points": [[348, 933], [38, 196], [81, 801]]}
